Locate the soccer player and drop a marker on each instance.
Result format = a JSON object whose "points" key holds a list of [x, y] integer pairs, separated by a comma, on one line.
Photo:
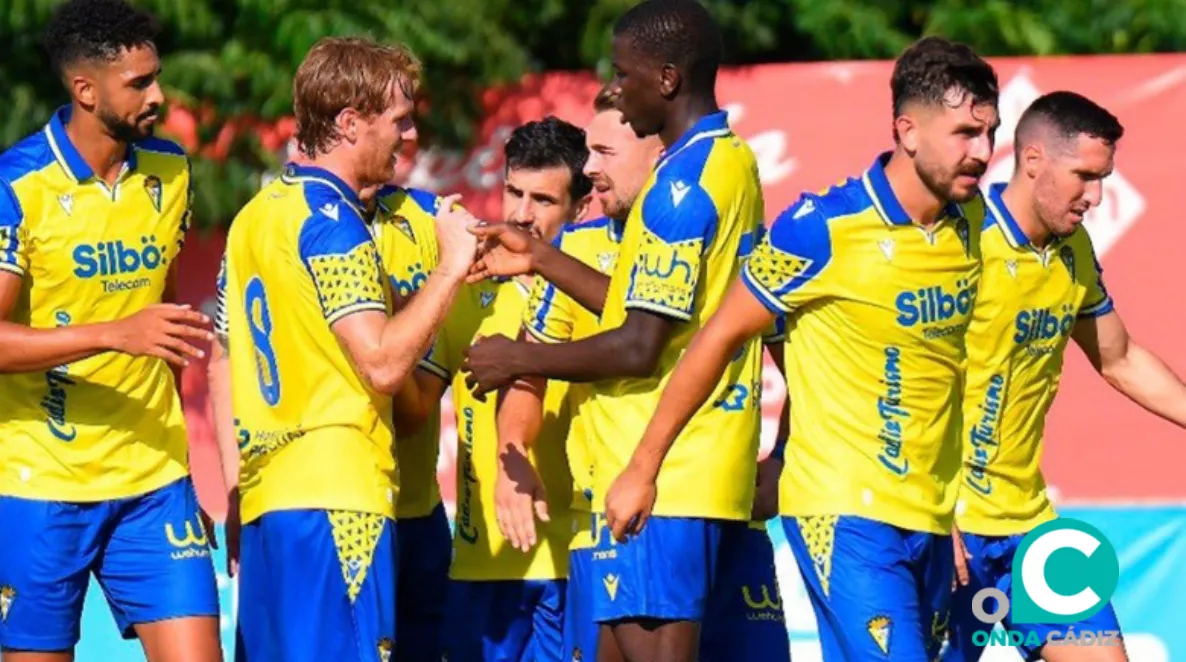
{"points": [[1041, 286], [94, 476], [504, 604], [401, 221], [877, 277], [403, 226], [315, 358], [681, 248], [747, 621]]}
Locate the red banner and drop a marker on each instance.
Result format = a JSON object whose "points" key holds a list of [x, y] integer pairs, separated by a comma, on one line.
{"points": [[811, 125]]}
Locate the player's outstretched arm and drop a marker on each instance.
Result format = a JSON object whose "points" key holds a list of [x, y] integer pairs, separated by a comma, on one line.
{"points": [[631, 350], [510, 251], [165, 331], [1130, 368], [386, 350], [740, 317]]}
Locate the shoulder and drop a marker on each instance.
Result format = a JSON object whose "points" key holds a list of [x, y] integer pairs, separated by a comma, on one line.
{"points": [[162, 156], [28, 156], [810, 223], [331, 225], [400, 199]]}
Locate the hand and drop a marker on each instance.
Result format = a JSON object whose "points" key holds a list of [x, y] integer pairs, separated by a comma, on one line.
{"points": [[455, 235], [961, 559], [233, 527], [505, 251], [766, 492], [164, 330], [629, 503], [519, 498], [490, 364]]}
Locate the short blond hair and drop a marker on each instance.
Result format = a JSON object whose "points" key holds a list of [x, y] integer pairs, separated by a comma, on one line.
{"points": [[347, 72], [604, 100]]}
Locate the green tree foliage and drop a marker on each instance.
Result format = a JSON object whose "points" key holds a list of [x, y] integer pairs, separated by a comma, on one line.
{"points": [[234, 59]]}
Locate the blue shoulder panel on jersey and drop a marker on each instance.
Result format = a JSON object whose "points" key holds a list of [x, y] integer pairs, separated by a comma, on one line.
{"points": [[575, 228], [802, 230], [155, 144], [427, 201], [677, 208], [29, 155], [332, 228]]}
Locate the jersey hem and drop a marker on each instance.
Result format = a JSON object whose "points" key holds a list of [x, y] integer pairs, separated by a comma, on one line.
{"points": [[254, 507], [636, 304], [338, 315], [131, 491], [433, 369], [418, 512], [12, 268], [541, 336], [764, 296], [910, 521], [1001, 527]]}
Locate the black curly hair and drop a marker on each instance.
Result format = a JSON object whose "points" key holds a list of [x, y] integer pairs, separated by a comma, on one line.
{"points": [[932, 67], [95, 30], [551, 143]]}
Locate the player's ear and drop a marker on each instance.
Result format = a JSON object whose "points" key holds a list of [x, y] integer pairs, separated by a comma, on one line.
{"points": [[582, 208], [83, 88], [347, 124], [669, 80], [1031, 159], [906, 129]]}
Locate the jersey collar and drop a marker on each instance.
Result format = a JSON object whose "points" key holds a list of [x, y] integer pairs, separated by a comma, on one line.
{"points": [[882, 194], [66, 154], [303, 173], [1000, 212], [706, 128]]}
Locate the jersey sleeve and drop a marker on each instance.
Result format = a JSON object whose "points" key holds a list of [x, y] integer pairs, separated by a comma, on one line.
{"points": [[679, 221], [443, 358], [1097, 301], [549, 314], [221, 326], [789, 267], [777, 332], [13, 256], [342, 260]]}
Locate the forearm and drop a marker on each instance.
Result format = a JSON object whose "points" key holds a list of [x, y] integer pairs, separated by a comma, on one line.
{"points": [[585, 285], [25, 349], [778, 355], [218, 374], [691, 384], [407, 335], [521, 414], [607, 355], [1149, 382]]}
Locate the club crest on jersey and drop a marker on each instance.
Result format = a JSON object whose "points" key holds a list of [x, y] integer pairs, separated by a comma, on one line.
{"points": [[386, 647], [67, 202], [1067, 255], [152, 186], [879, 629], [7, 595], [605, 261]]}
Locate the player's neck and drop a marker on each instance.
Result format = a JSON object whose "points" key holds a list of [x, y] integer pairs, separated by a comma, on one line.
{"points": [[1018, 204], [104, 154], [687, 112], [919, 202], [339, 163]]}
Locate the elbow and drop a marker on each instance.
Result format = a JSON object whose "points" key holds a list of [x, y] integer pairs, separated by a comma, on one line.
{"points": [[383, 380], [640, 359]]}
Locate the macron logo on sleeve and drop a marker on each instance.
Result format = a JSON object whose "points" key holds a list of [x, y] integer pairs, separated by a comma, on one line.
{"points": [[330, 210], [678, 191]]}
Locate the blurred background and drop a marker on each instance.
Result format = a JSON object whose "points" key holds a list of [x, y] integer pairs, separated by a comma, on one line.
{"points": [[808, 86]]}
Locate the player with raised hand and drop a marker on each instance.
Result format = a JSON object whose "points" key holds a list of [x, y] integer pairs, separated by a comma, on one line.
{"points": [[681, 248], [1042, 285], [504, 604], [877, 277], [315, 358], [94, 476]]}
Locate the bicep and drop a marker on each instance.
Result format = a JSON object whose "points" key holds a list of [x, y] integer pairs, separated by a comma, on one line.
{"points": [[1102, 338]]}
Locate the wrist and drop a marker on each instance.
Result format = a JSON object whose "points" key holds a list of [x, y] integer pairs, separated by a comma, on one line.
{"points": [[645, 465], [540, 256], [108, 338], [779, 450]]}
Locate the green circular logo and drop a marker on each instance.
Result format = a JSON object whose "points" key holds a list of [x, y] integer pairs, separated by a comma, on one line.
{"points": [[1064, 571]]}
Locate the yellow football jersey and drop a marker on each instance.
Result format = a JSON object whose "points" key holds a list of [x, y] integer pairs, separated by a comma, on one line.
{"points": [[405, 235], [681, 251], [554, 317], [1029, 302], [109, 426], [312, 433], [877, 309], [480, 552]]}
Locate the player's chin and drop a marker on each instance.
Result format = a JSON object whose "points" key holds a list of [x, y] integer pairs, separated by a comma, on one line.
{"points": [[964, 189]]}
